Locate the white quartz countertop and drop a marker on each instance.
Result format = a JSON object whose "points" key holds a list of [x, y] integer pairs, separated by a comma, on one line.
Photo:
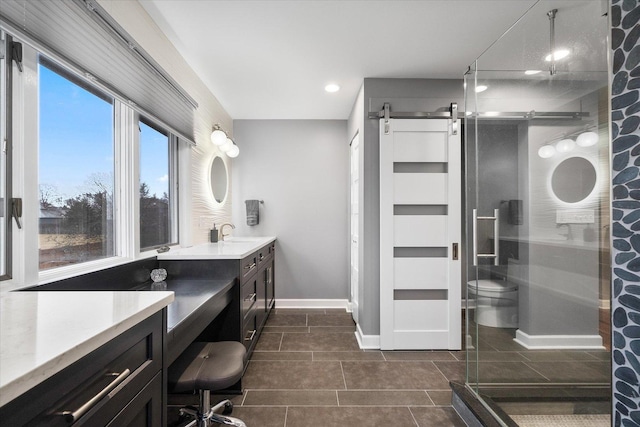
{"points": [[231, 248], [41, 333]]}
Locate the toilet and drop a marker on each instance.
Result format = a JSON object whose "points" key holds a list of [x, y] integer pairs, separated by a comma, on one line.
{"points": [[497, 300]]}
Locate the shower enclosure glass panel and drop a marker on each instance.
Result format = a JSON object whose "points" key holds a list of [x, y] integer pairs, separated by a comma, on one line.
{"points": [[537, 215]]}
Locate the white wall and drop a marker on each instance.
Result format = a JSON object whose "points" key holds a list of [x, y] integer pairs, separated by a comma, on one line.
{"points": [[300, 168], [198, 208]]}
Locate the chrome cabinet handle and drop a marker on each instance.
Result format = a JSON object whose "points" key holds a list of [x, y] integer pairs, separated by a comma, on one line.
{"points": [[73, 416], [250, 297], [250, 335], [496, 232], [249, 267]]}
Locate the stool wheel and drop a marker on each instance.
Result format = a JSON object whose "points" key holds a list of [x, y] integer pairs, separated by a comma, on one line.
{"points": [[228, 408]]}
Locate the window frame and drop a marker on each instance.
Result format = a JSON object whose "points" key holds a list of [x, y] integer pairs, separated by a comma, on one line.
{"points": [[174, 192], [24, 105], [45, 62], [6, 71]]}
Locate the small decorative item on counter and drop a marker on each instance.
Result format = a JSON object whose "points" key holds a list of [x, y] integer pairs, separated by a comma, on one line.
{"points": [[158, 275], [214, 234]]}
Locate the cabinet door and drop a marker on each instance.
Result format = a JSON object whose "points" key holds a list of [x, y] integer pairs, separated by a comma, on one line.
{"points": [[270, 284], [261, 303]]}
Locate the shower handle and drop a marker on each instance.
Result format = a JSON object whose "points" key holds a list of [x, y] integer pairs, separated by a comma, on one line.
{"points": [[496, 228]]}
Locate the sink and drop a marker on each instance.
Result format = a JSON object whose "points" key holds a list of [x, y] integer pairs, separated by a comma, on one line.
{"points": [[243, 239]]}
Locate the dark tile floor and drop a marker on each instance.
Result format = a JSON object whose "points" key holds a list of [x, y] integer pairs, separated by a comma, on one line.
{"points": [[502, 360], [308, 371]]}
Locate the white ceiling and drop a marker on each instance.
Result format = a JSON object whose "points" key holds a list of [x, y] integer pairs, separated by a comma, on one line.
{"points": [[270, 59]]}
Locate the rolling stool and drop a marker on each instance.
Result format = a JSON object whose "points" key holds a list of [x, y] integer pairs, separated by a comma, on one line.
{"points": [[206, 367]]}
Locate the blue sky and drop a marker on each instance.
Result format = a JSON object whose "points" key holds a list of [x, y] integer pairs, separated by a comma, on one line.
{"points": [[76, 140]]}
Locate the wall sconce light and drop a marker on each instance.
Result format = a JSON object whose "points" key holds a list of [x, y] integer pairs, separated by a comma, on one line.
{"points": [[547, 151], [565, 145], [220, 138], [585, 138]]}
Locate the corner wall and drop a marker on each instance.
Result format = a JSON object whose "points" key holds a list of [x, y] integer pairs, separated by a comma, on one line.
{"points": [[625, 134], [300, 168]]}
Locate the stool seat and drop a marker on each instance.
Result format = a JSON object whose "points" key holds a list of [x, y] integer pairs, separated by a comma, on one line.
{"points": [[207, 366]]}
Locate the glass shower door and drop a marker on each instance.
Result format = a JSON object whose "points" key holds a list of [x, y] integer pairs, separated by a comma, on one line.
{"points": [[537, 209]]}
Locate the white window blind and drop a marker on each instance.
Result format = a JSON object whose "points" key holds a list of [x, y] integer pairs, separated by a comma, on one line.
{"points": [[82, 34]]}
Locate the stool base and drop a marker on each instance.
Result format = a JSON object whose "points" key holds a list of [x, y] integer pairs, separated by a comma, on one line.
{"points": [[212, 417]]}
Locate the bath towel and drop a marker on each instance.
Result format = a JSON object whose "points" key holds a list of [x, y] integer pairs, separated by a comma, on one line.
{"points": [[253, 212]]}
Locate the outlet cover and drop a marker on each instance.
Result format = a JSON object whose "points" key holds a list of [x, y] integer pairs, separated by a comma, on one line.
{"points": [[575, 216]]}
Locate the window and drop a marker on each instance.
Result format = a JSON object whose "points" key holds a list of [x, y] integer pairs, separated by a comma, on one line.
{"points": [[85, 198], [76, 170], [157, 194]]}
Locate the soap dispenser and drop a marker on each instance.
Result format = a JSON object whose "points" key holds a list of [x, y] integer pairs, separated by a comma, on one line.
{"points": [[214, 234]]}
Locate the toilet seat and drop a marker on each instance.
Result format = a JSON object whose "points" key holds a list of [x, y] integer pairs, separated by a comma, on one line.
{"points": [[492, 285]]}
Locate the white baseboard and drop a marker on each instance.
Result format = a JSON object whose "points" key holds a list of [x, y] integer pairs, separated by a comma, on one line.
{"points": [[540, 342], [312, 303], [367, 342]]}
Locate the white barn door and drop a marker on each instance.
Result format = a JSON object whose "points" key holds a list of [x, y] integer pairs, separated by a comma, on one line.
{"points": [[420, 221]]}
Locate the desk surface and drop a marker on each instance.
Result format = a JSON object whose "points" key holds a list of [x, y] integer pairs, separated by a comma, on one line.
{"points": [[196, 303]]}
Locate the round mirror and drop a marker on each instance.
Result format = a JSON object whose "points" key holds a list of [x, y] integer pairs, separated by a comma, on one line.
{"points": [[573, 179], [218, 179]]}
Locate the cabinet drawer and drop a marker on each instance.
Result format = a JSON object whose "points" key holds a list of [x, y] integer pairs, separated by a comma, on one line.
{"points": [[248, 267], [248, 296], [101, 383], [264, 255], [145, 409], [250, 333]]}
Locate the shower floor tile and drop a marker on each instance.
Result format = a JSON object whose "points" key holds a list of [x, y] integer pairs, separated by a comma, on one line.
{"points": [[562, 420]]}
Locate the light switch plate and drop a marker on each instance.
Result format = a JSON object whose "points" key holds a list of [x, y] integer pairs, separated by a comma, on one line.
{"points": [[575, 216]]}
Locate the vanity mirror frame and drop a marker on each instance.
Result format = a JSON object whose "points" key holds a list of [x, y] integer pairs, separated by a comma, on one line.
{"points": [[221, 167]]}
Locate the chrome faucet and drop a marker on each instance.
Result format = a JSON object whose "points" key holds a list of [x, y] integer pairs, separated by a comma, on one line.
{"points": [[221, 232], [569, 234]]}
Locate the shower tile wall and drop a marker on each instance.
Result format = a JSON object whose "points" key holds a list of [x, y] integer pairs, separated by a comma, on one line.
{"points": [[625, 117]]}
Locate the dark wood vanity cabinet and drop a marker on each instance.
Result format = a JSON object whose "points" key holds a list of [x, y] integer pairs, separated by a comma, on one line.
{"points": [[266, 291], [253, 297], [257, 292], [118, 384]]}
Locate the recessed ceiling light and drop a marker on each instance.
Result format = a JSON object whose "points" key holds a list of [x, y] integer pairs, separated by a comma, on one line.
{"points": [[532, 72], [332, 87], [557, 55], [481, 88]]}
